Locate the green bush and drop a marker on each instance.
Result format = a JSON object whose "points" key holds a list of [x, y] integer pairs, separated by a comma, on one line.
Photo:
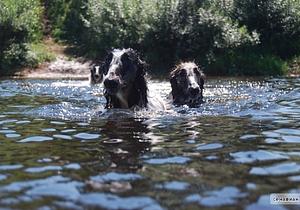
{"points": [[113, 24], [37, 54], [166, 30], [65, 17], [251, 63], [13, 56], [226, 37], [294, 65], [277, 22], [20, 22]]}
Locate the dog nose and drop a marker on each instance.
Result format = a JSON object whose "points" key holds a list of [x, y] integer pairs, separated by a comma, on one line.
{"points": [[111, 83], [194, 91]]}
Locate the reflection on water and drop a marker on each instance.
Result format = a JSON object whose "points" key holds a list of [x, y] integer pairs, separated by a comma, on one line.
{"points": [[60, 149]]}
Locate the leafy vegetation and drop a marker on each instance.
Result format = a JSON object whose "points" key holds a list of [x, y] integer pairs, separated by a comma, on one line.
{"points": [[37, 54], [277, 22], [66, 18], [19, 24], [250, 37]]}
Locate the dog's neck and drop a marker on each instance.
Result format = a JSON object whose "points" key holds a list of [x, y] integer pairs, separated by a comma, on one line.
{"points": [[186, 101], [179, 96], [180, 100], [124, 100]]}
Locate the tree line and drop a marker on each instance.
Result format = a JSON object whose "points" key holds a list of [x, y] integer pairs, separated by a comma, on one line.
{"points": [[225, 37]]}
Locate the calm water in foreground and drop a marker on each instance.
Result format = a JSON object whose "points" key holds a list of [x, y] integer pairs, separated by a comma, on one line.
{"points": [[59, 148]]}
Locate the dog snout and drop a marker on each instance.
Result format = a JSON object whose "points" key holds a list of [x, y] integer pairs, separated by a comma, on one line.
{"points": [[97, 76], [111, 83], [194, 91]]}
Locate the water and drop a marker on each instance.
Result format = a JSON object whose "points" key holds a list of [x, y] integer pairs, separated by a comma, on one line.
{"points": [[60, 149]]}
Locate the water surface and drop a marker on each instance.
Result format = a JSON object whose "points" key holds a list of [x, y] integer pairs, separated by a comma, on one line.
{"points": [[60, 149]]}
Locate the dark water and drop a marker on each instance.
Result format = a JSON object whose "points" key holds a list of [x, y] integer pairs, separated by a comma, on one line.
{"points": [[59, 149]]}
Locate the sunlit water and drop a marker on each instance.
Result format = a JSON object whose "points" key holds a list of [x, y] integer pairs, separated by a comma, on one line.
{"points": [[60, 149]]}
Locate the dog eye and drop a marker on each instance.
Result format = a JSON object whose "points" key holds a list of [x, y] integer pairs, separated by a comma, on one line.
{"points": [[196, 71], [125, 63], [125, 58], [182, 73]]}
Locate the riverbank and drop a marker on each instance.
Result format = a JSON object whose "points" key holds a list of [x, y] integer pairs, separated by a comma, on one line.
{"points": [[294, 67], [63, 65], [68, 66]]}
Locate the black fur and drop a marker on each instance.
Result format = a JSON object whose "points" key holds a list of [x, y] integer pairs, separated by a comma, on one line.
{"points": [[184, 79], [134, 85]]}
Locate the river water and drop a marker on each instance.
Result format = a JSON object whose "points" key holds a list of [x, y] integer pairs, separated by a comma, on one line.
{"points": [[60, 149]]}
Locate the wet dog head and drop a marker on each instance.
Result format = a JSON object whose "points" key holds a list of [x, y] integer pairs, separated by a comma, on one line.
{"points": [[187, 82], [96, 75], [124, 82]]}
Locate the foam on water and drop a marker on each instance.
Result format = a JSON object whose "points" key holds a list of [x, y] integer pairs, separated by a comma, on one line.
{"points": [[75, 99]]}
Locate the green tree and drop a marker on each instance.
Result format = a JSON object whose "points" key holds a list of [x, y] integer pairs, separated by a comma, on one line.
{"points": [[277, 22], [20, 23]]}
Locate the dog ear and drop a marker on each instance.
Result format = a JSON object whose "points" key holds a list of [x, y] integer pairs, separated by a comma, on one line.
{"points": [[142, 67], [105, 64], [92, 70], [202, 80], [134, 56], [201, 83], [143, 92], [142, 84], [174, 86]]}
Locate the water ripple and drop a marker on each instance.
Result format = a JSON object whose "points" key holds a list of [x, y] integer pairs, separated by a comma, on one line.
{"points": [[225, 196], [255, 156], [212, 146], [110, 201], [87, 136], [277, 169], [36, 139], [113, 176], [168, 160]]}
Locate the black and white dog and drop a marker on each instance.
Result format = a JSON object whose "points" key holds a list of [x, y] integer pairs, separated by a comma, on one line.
{"points": [[124, 79], [187, 82], [96, 75]]}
